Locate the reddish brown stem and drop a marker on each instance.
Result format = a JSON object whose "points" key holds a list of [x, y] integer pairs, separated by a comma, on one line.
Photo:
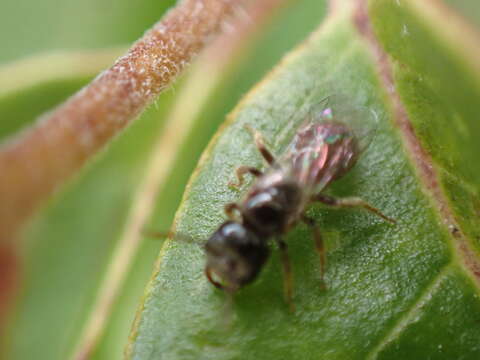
{"points": [[34, 163], [9, 280]]}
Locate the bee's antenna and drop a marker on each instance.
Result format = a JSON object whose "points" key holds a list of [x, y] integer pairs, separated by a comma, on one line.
{"points": [[169, 235]]}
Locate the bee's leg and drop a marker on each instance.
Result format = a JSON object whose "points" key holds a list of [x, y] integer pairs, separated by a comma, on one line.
{"points": [[241, 171], [351, 202], [230, 210], [319, 245], [287, 273], [260, 143]]}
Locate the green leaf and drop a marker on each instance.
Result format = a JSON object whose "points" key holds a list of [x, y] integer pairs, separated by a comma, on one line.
{"points": [[393, 292], [401, 292], [444, 116]]}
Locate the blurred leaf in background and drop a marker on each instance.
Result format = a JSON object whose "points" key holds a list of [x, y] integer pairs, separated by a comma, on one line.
{"points": [[393, 293], [72, 25]]}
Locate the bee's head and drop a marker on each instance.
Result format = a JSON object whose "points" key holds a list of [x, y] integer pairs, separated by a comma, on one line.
{"points": [[235, 255]]}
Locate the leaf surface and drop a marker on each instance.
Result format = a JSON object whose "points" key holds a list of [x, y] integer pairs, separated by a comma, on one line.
{"points": [[393, 292]]}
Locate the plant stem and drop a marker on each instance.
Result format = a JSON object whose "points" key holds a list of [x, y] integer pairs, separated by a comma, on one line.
{"points": [[34, 163]]}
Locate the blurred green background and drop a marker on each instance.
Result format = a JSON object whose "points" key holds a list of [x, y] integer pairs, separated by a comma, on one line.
{"points": [[31, 27], [50, 49]]}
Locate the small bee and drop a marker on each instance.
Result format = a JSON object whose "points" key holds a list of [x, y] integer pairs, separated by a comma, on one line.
{"points": [[322, 151]]}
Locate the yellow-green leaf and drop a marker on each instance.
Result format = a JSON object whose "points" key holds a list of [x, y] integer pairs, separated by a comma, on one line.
{"points": [[393, 292]]}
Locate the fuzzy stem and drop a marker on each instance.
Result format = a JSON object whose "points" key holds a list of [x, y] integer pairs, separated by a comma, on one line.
{"points": [[35, 162]]}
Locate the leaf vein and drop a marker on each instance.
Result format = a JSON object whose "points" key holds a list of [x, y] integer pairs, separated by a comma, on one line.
{"points": [[404, 321]]}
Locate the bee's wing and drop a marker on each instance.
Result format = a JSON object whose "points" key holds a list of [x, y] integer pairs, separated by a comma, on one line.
{"points": [[314, 167], [338, 107], [316, 156]]}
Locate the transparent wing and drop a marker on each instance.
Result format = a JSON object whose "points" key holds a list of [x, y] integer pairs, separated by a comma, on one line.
{"points": [[363, 121], [329, 141]]}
